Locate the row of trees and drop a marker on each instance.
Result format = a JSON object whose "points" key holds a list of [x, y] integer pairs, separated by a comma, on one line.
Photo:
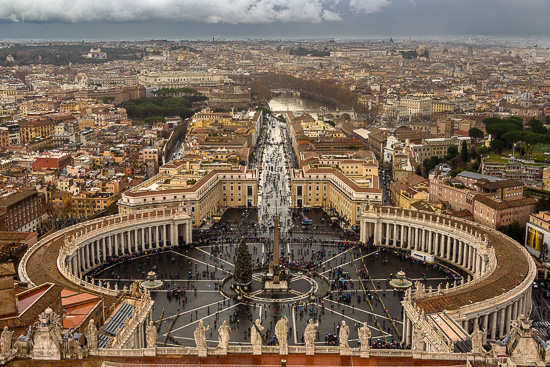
{"points": [[301, 51], [260, 89], [511, 132], [325, 91], [60, 54], [144, 108], [459, 161]]}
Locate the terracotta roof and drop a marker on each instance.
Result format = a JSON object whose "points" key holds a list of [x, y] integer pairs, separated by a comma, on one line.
{"points": [[193, 188], [464, 213], [16, 236], [344, 178], [500, 205], [493, 185], [14, 198], [7, 269], [416, 179]]}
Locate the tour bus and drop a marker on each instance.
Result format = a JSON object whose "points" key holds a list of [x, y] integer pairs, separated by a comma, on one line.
{"points": [[307, 222], [422, 256]]}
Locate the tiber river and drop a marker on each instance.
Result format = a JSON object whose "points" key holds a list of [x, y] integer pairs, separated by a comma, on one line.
{"points": [[293, 103]]}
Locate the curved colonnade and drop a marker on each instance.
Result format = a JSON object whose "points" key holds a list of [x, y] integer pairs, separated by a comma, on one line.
{"points": [[88, 245], [500, 271]]}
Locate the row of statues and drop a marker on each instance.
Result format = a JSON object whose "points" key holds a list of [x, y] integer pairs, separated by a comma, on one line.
{"points": [[281, 332]]}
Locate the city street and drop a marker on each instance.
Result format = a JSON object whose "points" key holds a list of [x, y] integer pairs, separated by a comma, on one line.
{"points": [[274, 185]]}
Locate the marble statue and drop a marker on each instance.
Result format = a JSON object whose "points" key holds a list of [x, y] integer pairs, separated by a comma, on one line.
{"points": [[281, 332], [23, 344], [310, 333], [200, 335], [418, 341], [364, 337], [5, 342], [223, 335], [256, 336], [343, 337], [151, 334], [477, 340], [91, 334]]}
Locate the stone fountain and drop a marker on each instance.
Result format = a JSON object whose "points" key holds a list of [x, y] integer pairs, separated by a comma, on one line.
{"points": [[152, 282]]}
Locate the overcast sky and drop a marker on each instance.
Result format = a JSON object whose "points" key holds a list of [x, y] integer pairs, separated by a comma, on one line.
{"points": [[244, 19]]}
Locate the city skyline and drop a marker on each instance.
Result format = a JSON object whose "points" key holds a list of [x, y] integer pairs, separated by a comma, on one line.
{"points": [[270, 19]]}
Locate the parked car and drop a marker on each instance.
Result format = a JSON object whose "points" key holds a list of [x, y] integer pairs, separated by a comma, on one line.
{"points": [[535, 285], [547, 294]]}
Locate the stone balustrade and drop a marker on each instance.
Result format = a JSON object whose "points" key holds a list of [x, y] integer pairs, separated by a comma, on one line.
{"points": [[134, 324]]}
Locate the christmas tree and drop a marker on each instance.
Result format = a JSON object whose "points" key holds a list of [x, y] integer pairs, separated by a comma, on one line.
{"points": [[243, 265]]}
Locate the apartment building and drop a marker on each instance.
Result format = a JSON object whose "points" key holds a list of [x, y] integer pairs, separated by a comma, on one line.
{"points": [[496, 213], [33, 129], [181, 79], [23, 210], [331, 189], [437, 147], [493, 202], [205, 196]]}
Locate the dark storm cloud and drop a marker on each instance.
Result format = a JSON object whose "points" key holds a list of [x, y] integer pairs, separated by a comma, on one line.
{"points": [[191, 19]]}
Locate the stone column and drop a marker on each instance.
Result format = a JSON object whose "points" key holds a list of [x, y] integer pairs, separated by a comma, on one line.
{"points": [[502, 321], [405, 328], [157, 235], [409, 237], [521, 305], [387, 242], [92, 255], [189, 231], [514, 315], [104, 248], [174, 228], [508, 317], [494, 316], [80, 260], [485, 322], [143, 238], [110, 247], [86, 266], [150, 231]]}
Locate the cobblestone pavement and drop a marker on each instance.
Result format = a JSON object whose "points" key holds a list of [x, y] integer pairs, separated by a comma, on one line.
{"points": [[192, 277]]}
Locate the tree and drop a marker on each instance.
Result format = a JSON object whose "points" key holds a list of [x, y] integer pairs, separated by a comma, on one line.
{"points": [[243, 265], [261, 89], [529, 139], [514, 230], [536, 126], [497, 145], [464, 152], [452, 152], [475, 133]]}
